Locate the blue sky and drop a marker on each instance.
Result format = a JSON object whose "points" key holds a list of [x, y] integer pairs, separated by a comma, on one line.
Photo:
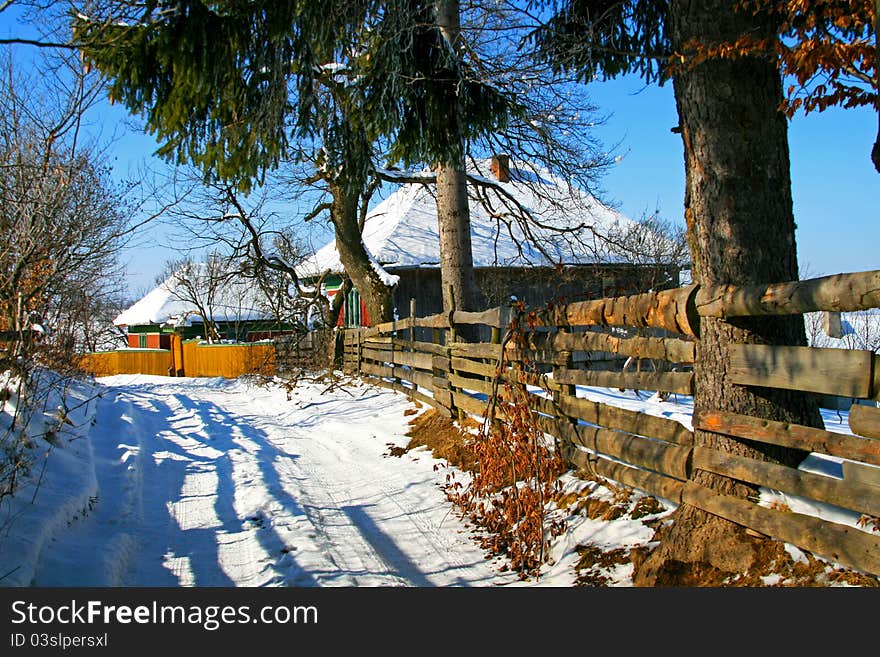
{"points": [[834, 184]]}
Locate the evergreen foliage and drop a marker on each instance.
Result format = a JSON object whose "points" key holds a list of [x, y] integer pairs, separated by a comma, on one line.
{"points": [[227, 84]]}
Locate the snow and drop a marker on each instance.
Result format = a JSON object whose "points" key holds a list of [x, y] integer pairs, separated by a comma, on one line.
{"points": [[156, 481], [211, 482], [402, 230]]}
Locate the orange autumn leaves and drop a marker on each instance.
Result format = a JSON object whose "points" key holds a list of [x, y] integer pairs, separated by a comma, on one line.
{"points": [[827, 51]]}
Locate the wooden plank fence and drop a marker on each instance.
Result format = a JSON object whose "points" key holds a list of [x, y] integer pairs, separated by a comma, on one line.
{"points": [[128, 361], [649, 342], [222, 360]]}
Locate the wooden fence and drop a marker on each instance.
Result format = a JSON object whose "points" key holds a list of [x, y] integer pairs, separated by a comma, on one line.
{"points": [[127, 361], [228, 360], [655, 336], [188, 358]]}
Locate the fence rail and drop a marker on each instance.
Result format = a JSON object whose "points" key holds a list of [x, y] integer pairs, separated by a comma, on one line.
{"points": [[649, 342]]}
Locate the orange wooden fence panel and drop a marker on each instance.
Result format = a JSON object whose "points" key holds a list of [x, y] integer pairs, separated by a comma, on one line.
{"points": [[228, 360], [128, 361]]}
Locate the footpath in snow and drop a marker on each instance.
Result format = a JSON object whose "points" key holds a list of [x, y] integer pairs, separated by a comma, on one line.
{"points": [[209, 482]]}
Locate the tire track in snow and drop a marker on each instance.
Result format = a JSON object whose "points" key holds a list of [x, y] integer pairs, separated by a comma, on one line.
{"points": [[361, 475], [239, 486]]}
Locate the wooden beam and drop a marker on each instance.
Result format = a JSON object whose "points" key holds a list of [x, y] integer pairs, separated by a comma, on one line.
{"points": [[680, 382], [868, 475], [491, 317], [546, 356], [672, 310], [440, 363], [420, 347], [439, 321], [612, 417], [843, 372], [476, 350], [840, 543], [841, 292], [650, 482], [674, 350], [469, 404], [849, 494], [480, 385], [423, 379], [666, 458], [865, 420], [473, 367], [443, 397], [789, 435]]}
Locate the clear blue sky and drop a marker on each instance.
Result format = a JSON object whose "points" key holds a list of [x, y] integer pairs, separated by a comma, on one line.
{"points": [[834, 185]]}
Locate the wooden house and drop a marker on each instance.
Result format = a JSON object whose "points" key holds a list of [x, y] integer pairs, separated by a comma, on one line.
{"points": [[573, 262], [236, 310]]}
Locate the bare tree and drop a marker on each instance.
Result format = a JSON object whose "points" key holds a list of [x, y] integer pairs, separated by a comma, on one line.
{"points": [[64, 221], [198, 284]]}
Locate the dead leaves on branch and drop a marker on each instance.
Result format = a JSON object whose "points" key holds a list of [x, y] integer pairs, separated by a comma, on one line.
{"points": [[827, 47]]}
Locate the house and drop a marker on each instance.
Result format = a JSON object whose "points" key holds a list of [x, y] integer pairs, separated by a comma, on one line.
{"points": [[236, 307], [573, 261]]}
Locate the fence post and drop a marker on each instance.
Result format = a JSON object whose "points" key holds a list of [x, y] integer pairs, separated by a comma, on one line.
{"points": [[439, 381], [360, 346], [412, 340], [452, 337], [499, 363]]}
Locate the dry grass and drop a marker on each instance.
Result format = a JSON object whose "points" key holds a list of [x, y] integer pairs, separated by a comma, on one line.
{"points": [[443, 437]]}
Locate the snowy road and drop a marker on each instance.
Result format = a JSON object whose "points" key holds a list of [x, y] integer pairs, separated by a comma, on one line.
{"points": [[206, 482]]}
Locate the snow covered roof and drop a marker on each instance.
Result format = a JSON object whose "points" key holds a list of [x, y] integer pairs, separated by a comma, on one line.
{"points": [[402, 230], [237, 299]]}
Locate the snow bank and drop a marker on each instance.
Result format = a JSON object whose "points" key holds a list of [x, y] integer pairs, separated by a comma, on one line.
{"points": [[60, 486]]}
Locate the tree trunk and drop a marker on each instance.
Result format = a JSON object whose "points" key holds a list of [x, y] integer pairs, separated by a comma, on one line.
{"points": [[354, 257], [456, 257], [741, 230], [335, 342], [453, 213]]}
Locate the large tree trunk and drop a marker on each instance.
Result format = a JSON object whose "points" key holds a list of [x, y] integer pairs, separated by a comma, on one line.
{"points": [[456, 257], [354, 257], [741, 230], [453, 213]]}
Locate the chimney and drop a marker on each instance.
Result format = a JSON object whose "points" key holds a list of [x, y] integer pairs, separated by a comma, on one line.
{"points": [[501, 168]]}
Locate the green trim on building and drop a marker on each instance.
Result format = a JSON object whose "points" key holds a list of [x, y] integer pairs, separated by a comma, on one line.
{"points": [[145, 328]]}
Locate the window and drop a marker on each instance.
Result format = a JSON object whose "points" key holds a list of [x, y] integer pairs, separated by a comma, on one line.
{"points": [[142, 341]]}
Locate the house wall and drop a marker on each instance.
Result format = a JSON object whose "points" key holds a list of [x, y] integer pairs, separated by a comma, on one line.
{"points": [[148, 341]]}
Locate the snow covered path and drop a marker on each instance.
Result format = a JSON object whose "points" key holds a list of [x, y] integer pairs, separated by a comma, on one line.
{"points": [[207, 482]]}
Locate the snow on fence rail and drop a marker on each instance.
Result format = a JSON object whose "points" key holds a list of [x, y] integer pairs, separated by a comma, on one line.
{"points": [[588, 344]]}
